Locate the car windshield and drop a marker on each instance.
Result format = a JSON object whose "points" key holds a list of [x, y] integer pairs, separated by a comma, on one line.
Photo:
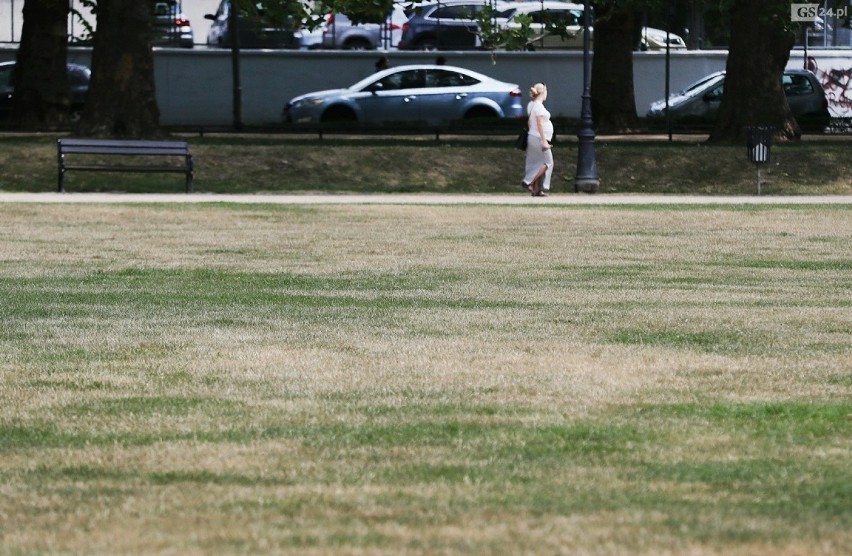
{"points": [[701, 83], [795, 84]]}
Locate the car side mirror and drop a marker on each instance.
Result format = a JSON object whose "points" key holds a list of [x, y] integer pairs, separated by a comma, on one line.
{"points": [[211, 17], [709, 97], [375, 88]]}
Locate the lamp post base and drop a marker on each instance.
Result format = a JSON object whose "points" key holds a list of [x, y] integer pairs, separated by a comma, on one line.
{"points": [[586, 180], [586, 185]]}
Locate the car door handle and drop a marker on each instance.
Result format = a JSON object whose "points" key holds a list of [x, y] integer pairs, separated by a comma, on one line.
{"points": [[460, 96], [409, 98]]}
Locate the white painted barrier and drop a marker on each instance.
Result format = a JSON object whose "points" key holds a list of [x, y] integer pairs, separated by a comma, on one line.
{"points": [[195, 87]]}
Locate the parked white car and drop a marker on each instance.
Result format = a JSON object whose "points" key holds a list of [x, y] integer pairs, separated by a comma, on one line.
{"points": [[551, 14], [655, 39]]}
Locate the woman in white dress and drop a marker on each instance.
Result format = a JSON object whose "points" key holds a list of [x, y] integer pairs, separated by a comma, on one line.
{"points": [[539, 159]]}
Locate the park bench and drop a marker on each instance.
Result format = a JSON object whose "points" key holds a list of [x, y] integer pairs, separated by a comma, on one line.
{"points": [[131, 153]]}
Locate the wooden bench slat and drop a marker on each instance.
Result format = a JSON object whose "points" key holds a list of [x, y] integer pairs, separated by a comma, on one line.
{"points": [[124, 168], [119, 143], [131, 151]]}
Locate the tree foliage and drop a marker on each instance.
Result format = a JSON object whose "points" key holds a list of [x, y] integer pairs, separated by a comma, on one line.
{"points": [[492, 36], [311, 15], [359, 11], [80, 18]]}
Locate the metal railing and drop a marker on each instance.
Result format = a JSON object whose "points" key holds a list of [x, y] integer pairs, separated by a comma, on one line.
{"points": [[11, 16]]}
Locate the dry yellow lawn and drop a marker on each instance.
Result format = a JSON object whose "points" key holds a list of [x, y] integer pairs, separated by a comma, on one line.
{"points": [[388, 379]]}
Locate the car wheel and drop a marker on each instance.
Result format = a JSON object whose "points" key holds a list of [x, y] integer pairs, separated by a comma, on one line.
{"points": [[479, 112], [357, 44], [338, 114]]}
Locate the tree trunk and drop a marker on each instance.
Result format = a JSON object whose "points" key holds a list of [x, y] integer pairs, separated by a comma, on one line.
{"points": [[42, 98], [754, 96], [613, 103], [122, 100]]}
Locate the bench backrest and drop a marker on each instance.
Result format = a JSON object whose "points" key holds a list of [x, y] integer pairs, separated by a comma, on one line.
{"points": [[115, 146]]}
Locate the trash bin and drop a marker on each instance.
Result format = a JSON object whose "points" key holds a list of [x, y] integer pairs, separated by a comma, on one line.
{"points": [[759, 141]]}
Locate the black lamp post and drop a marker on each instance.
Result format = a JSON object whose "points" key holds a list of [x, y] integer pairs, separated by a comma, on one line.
{"points": [[587, 180], [234, 32], [668, 70]]}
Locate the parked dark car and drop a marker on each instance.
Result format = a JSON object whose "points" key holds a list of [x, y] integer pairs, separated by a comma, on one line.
{"points": [[449, 25], [415, 93], [170, 26], [699, 102], [78, 80], [255, 29]]}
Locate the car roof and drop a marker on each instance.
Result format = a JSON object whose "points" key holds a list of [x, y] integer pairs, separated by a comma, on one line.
{"points": [[430, 3], [547, 5], [396, 69], [799, 71], [499, 5], [716, 76], [67, 66]]}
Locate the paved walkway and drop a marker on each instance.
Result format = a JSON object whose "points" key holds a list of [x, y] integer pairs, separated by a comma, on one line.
{"points": [[560, 199]]}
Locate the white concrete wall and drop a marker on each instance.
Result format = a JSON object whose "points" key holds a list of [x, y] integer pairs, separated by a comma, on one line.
{"points": [[194, 87]]}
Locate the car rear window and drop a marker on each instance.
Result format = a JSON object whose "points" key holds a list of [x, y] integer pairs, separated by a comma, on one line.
{"points": [[795, 85]]}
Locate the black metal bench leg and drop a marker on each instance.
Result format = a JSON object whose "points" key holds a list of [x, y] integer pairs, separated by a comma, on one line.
{"points": [[190, 173], [60, 165]]}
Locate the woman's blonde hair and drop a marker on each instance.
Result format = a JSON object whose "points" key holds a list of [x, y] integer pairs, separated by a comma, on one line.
{"points": [[537, 89]]}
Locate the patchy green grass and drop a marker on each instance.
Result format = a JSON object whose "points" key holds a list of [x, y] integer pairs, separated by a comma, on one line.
{"points": [[420, 379], [255, 164]]}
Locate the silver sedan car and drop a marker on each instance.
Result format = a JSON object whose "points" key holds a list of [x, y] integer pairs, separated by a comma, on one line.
{"points": [[417, 93]]}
